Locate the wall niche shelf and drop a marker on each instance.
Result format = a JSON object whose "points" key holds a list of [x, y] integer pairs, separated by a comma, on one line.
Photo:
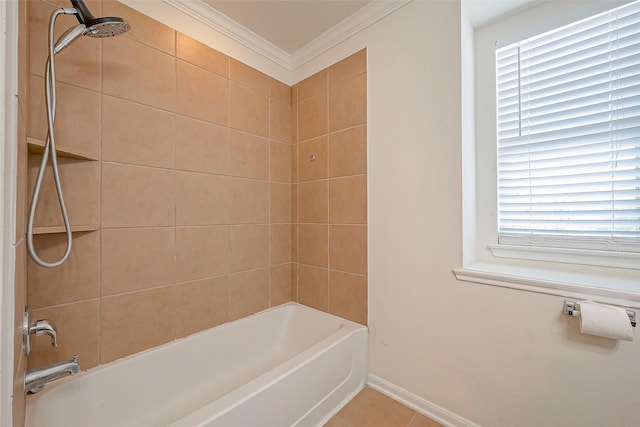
{"points": [[54, 229], [36, 146]]}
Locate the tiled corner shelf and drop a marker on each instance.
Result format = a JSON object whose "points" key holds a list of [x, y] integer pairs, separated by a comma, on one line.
{"points": [[60, 229], [36, 146]]}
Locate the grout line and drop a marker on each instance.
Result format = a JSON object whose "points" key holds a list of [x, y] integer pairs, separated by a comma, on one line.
{"points": [[228, 126], [128, 37], [335, 270], [137, 291], [65, 83], [270, 236], [334, 178], [65, 304], [341, 224], [228, 231], [328, 94], [131, 227], [193, 64], [229, 301], [120, 163], [100, 159], [412, 418], [175, 187], [136, 227], [297, 229], [172, 111], [330, 133]]}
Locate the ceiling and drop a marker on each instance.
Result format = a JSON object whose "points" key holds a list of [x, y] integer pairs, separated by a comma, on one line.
{"points": [[288, 24], [482, 12], [291, 32]]}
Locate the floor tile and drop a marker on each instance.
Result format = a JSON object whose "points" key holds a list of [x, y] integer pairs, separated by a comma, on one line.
{"points": [[371, 408]]}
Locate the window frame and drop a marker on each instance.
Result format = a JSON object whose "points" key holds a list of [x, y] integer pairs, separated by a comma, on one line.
{"points": [[580, 273]]}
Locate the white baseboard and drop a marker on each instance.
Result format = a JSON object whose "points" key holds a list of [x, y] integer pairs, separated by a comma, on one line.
{"points": [[418, 404]]}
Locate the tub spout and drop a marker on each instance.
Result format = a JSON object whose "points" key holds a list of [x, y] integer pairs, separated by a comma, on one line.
{"points": [[35, 379]]}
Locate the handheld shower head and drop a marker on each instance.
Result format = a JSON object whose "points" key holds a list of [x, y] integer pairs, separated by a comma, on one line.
{"points": [[90, 26], [106, 26], [70, 35]]}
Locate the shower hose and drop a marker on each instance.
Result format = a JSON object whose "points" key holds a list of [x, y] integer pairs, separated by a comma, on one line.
{"points": [[49, 150]]}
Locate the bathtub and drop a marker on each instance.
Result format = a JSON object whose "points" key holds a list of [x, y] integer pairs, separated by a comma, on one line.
{"points": [[286, 366]]}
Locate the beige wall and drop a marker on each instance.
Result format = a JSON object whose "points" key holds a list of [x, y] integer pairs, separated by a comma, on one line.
{"points": [[183, 206], [330, 191], [490, 355]]}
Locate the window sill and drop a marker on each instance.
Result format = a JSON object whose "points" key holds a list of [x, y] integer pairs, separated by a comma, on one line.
{"points": [[618, 290], [568, 255]]}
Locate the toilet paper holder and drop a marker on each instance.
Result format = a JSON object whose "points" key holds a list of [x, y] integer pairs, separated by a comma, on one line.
{"points": [[571, 308]]}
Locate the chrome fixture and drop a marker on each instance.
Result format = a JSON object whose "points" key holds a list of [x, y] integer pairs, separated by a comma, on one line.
{"points": [[44, 327], [35, 379], [89, 26], [37, 328], [572, 308], [106, 26]]}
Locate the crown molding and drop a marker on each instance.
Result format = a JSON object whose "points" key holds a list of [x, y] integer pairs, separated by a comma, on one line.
{"points": [[200, 11], [368, 15]]}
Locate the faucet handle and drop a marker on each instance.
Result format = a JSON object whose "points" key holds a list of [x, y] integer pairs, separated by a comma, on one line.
{"points": [[45, 327]]}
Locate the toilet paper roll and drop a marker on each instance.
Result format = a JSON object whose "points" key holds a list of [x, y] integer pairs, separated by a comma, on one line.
{"points": [[605, 321]]}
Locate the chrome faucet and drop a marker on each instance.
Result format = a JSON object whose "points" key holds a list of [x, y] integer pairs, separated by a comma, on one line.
{"points": [[44, 327], [37, 328], [35, 379]]}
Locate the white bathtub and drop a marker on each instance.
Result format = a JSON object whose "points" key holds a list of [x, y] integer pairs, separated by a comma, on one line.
{"points": [[286, 366]]}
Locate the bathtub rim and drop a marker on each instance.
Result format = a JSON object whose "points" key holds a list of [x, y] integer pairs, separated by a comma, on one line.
{"points": [[347, 327], [190, 337], [239, 395]]}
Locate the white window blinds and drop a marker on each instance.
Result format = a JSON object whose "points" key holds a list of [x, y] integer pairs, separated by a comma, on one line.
{"points": [[569, 135]]}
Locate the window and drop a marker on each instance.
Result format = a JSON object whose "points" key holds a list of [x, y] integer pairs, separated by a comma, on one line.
{"points": [[568, 131], [526, 224]]}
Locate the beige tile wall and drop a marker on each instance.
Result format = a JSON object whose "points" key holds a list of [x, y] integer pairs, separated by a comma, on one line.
{"points": [[189, 195], [202, 203], [329, 198]]}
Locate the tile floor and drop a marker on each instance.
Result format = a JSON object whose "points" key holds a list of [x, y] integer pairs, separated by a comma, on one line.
{"points": [[373, 409]]}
